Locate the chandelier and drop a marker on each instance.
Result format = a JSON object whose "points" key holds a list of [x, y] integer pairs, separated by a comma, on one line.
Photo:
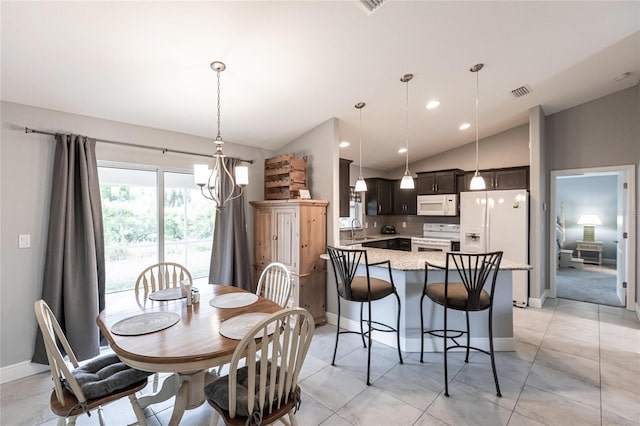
{"points": [[210, 181]]}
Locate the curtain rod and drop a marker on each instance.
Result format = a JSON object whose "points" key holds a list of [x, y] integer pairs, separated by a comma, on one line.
{"points": [[154, 148]]}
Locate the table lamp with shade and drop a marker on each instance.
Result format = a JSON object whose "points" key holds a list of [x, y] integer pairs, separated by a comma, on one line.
{"points": [[589, 221]]}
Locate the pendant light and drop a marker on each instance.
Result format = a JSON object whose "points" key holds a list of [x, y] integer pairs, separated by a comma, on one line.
{"points": [[477, 182], [407, 179], [361, 185], [210, 180]]}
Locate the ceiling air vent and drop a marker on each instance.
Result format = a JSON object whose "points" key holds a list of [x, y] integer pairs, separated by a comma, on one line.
{"points": [[521, 91], [370, 6]]}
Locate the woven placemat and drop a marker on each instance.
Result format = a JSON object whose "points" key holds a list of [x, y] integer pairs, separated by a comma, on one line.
{"points": [[172, 293], [233, 300], [237, 327], [145, 323]]}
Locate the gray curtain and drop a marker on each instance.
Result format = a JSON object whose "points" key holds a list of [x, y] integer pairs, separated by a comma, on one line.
{"points": [[74, 276], [230, 252]]}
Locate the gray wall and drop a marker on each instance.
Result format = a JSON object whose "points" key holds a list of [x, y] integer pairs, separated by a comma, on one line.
{"points": [[589, 195], [538, 212], [505, 149], [603, 132], [25, 167]]}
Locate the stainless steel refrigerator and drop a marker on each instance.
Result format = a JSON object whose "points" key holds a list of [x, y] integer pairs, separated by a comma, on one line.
{"points": [[498, 221]]}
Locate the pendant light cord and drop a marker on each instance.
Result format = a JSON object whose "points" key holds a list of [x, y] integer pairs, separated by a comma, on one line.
{"points": [[407, 135], [477, 108], [360, 109]]}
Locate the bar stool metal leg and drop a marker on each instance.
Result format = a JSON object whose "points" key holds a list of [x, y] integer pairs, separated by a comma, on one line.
{"points": [[398, 329], [335, 349]]}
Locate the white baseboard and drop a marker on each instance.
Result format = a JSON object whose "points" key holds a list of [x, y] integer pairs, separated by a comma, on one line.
{"points": [[412, 343], [537, 303], [20, 370]]}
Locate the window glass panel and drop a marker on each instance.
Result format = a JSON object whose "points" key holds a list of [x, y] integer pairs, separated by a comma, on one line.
{"points": [[188, 224], [355, 211], [130, 216]]}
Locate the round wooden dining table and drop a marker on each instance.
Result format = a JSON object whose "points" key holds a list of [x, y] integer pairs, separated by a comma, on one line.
{"points": [[189, 348]]}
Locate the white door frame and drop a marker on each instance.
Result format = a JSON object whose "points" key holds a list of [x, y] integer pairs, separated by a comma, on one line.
{"points": [[629, 172]]}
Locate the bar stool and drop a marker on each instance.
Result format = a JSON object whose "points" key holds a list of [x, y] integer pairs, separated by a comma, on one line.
{"points": [[362, 289], [468, 295]]}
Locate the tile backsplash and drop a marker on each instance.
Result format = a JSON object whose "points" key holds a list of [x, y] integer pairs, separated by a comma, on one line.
{"points": [[413, 224]]}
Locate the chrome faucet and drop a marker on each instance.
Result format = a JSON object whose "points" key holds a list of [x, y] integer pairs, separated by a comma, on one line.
{"points": [[354, 221]]}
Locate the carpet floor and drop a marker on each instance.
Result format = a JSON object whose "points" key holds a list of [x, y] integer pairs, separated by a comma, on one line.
{"points": [[591, 284]]}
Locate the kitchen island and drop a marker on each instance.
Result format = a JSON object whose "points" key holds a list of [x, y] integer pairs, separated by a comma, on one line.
{"points": [[408, 273]]}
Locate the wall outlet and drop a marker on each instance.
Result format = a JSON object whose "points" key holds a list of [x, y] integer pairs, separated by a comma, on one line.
{"points": [[375, 224], [366, 224], [404, 224], [24, 241]]}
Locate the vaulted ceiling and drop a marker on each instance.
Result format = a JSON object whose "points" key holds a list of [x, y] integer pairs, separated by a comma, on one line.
{"points": [[293, 65]]}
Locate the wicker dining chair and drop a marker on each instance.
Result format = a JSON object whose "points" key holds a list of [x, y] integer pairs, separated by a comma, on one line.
{"points": [[80, 389], [468, 294], [363, 289]]}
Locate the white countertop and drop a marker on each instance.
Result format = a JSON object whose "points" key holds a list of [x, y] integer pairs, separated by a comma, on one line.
{"points": [[414, 261]]}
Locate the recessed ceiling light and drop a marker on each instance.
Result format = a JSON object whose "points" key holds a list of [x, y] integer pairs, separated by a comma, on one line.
{"points": [[433, 104], [464, 126], [402, 150], [622, 76], [344, 144]]}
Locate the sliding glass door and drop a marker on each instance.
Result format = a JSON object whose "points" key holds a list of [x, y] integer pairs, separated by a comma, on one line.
{"points": [[150, 216]]}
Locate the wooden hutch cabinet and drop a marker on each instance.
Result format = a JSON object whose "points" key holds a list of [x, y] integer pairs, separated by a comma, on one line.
{"points": [[293, 232]]}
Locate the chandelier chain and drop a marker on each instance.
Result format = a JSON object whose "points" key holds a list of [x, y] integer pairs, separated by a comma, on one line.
{"points": [[218, 137]]}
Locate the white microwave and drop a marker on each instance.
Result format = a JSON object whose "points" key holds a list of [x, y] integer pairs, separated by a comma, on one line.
{"points": [[438, 205]]}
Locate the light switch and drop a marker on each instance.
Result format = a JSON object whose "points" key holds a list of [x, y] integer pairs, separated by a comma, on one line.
{"points": [[404, 224], [24, 241]]}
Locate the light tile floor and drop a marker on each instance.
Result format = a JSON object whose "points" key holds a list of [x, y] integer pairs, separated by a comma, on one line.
{"points": [[575, 364]]}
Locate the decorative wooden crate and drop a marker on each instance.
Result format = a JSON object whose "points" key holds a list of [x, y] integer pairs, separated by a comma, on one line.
{"points": [[284, 177]]}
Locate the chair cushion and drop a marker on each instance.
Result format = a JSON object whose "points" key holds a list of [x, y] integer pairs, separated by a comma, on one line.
{"points": [[217, 392], [457, 296], [379, 288], [105, 375]]}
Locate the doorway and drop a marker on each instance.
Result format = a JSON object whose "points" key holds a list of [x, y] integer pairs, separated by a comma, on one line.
{"points": [[592, 235]]}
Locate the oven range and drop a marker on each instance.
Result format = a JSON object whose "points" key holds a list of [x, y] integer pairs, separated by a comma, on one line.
{"points": [[437, 237]]}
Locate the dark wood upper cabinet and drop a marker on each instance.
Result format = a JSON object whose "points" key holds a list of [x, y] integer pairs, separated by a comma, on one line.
{"points": [[439, 182], [379, 196], [344, 187], [404, 200], [502, 179]]}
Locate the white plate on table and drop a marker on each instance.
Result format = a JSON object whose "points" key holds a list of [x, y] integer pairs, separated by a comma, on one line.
{"points": [[233, 300], [237, 327]]}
